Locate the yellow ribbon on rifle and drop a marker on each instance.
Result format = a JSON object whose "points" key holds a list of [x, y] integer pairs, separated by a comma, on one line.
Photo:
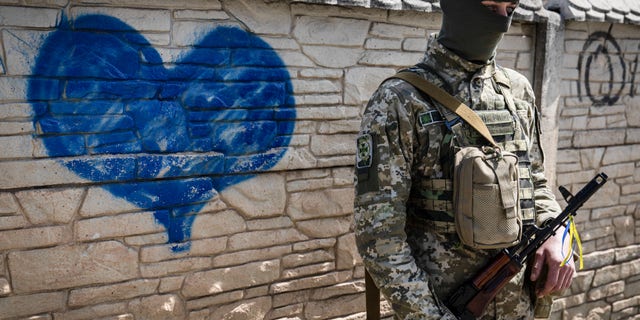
{"points": [[572, 231]]}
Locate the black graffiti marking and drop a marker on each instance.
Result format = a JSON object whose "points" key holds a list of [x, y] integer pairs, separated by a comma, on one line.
{"points": [[602, 47], [633, 76]]}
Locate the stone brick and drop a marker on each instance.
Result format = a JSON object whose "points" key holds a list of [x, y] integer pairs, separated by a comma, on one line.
{"points": [[337, 290], [99, 202], [316, 86], [159, 307], [599, 259], [390, 58], [339, 126], [331, 145], [627, 253], [335, 307], [5, 287], [296, 59], [343, 176], [207, 225], [246, 309], [170, 267], [308, 270], [16, 111], [321, 73], [288, 312], [318, 99], [16, 128], [625, 228], [591, 158], [291, 298], [632, 105], [50, 205], [347, 255], [29, 17], [242, 257], [260, 17], [270, 224], [34, 237], [325, 228], [386, 30], [72, 266], [311, 282], [147, 239], [322, 31], [326, 113], [115, 292], [582, 281], [415, 44], [618, 154], [597, 138], [201, 14], [216, 281], [101, 311], [23, 174], [14, 88], [264, 239], [416, 18], [117, 226], [300, 259], [605, 291], [360, 83], [377, 44], [626, 303], [314, 244], [260, 197], [320, 204], [203, 247], [138, 19], [26, 305], [8, 206], [333, 57], [170, 284], [218, 299], [16, 147], [296, 159], [13, 222], [309, 184]]}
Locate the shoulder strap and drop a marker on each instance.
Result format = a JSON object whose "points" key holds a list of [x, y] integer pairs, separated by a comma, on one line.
{"points": [[449, 101]]}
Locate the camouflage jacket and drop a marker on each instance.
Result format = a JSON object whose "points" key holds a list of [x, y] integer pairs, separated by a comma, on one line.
{"points": [[404, 142]]}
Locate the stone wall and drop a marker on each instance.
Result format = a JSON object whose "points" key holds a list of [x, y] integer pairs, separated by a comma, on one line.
{"points": [[192, 160], [599, 130]]}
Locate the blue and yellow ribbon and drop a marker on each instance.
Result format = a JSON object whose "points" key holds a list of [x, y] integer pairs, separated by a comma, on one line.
{"points": [[572, 232]]}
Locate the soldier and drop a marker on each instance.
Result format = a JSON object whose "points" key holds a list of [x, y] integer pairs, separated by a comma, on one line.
{"points": [[403, 209]]}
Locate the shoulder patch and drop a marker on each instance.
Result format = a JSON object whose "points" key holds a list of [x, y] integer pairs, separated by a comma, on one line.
{"points": [[365, 150], [429, 117]]}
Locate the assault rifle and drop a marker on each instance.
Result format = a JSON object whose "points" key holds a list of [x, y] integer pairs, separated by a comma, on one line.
{"points": [[469, 301]]}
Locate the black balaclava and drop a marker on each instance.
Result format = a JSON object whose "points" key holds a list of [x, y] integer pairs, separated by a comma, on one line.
{"points": [[472, 30]]}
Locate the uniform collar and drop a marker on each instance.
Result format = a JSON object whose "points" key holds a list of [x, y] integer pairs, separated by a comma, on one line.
{"points": [[452, 68]]}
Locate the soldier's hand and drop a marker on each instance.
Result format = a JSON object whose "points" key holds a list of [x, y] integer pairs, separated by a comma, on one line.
{"points": [[548, 258]]}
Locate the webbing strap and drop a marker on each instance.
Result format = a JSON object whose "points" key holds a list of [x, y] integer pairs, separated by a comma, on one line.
{"points": [[449, 101], [372, 297]]}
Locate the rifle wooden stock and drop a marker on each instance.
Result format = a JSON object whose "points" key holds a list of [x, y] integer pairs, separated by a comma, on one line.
{"points": [[470, 300], [489, 283]]}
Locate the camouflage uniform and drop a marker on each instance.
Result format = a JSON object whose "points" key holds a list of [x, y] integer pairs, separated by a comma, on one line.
{"points": [[403, 220]]}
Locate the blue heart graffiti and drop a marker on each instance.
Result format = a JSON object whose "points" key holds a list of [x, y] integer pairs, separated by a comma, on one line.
{"points": [[165, 136]]}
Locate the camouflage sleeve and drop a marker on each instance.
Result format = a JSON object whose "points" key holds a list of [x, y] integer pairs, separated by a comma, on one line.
{"points": [[546, 205], [382, 188]]}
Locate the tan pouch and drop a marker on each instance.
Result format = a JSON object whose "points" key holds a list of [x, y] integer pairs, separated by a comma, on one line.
{"points": [[486, 198]]}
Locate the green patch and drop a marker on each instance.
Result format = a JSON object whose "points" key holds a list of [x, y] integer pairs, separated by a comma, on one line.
{"points": [[429, 117], [365, 151]]}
